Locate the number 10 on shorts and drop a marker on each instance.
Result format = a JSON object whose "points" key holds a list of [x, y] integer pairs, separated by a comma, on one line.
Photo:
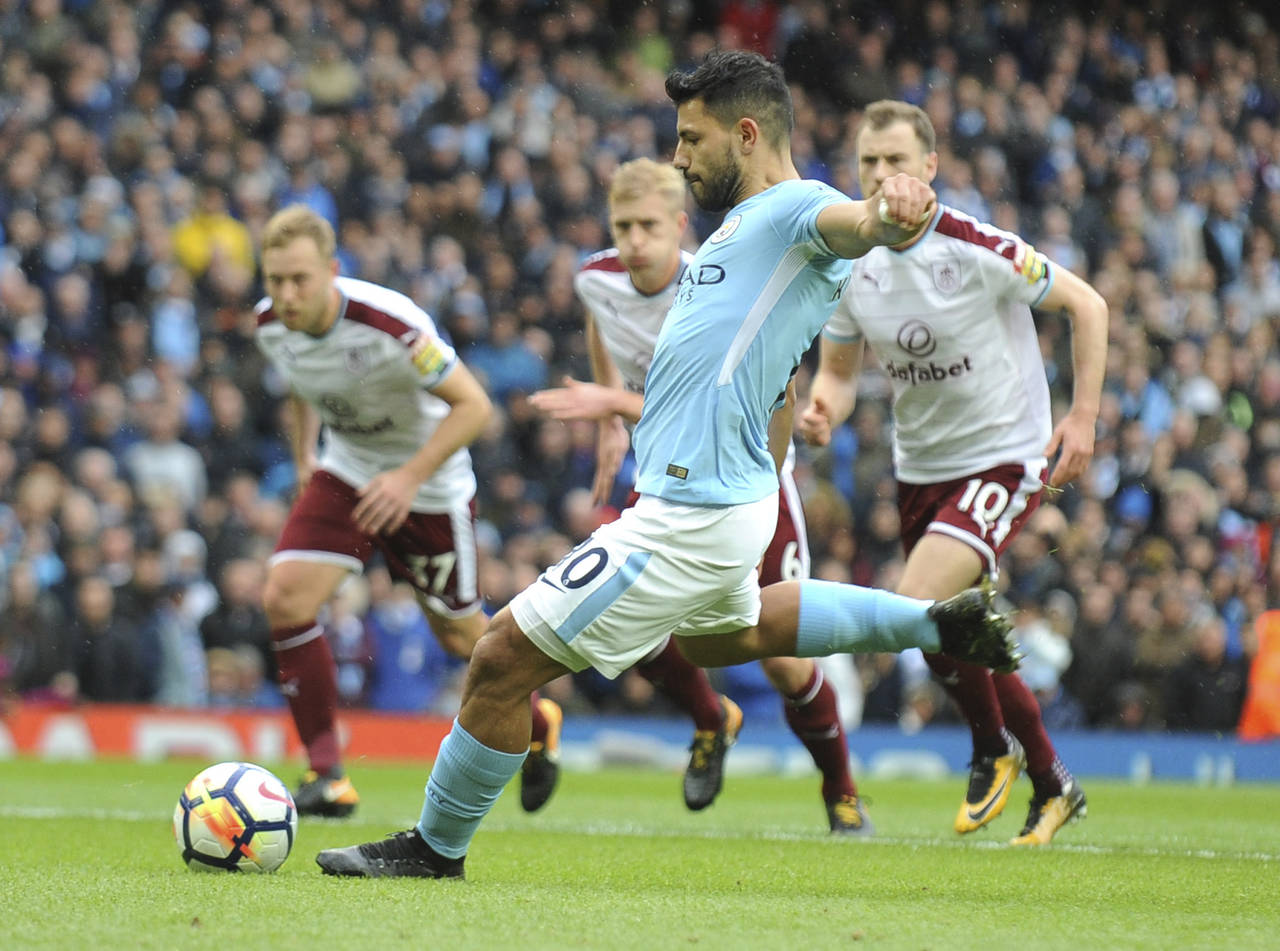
{"points": [[985, 502]]}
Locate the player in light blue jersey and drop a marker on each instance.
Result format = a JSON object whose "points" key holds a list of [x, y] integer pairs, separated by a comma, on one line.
{"points": [[717, 405], [748, 307]]}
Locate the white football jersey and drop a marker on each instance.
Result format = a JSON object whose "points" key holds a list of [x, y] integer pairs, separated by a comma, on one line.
{"points": [[950, 321], [627, 320], [370, 378]]}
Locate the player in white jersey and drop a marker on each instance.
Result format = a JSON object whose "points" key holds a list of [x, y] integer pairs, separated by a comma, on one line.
{"points": [[627, 291], [948, 314], [683, 558], [398, 410]]}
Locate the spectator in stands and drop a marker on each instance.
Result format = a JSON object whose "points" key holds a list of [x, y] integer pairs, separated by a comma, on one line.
{"points": [[1205, 690], [162, 463], [211, 234], [92, 189], [116, 660], [238, 619], [410, 670], [34, 640]]}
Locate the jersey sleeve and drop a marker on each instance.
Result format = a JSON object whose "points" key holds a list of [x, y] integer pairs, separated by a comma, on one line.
{"points": [[795, 214], [1015, 270], [583, 287], [431, 356], [842, 326]]}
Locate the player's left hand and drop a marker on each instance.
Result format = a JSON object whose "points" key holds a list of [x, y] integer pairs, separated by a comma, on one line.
{"points": [[575, 400], [384, 502], [1073, 436], [815, 423]]}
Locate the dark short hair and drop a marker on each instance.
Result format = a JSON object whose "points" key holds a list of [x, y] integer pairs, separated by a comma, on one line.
{"points": [[734, 84]]}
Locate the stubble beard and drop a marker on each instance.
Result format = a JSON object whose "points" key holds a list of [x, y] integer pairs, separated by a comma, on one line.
{"points": [[719, 189]]}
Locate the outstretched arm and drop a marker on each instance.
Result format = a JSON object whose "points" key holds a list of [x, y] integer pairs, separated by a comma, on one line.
{"points": [[605, 397], [574, 399], [894, 215], [1073, 436], [606, 401]]}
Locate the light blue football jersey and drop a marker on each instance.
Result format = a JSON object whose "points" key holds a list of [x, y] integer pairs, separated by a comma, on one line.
{"points": [[747, 308]]}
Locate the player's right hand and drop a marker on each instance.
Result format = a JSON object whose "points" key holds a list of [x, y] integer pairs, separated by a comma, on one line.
{"points": [[575, 400], [815, 423]]}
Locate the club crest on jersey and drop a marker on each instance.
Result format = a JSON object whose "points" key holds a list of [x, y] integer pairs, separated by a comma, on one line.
{"points": [[725, 230], [356, 360], [946, 276]]}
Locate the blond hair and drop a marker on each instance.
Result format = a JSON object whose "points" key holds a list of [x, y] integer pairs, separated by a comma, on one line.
{"points": [[885, 112], [299, 221], [644, 176]]}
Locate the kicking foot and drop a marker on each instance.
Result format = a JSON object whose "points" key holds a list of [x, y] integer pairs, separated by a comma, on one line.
{"points": [[400, 855], [970, 628]]}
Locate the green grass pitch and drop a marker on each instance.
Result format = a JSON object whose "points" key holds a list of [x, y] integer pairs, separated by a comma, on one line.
{"points": [[87, 860]]}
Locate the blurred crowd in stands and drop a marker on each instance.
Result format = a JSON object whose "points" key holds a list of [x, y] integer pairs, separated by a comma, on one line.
{"points": [[462, 151]]}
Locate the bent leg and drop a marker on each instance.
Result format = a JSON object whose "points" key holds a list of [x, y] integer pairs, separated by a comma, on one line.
{"points": [[817, 618], [809, 705], [938, 567], [489, 739], [459, 636], [1021, 711], [292, 597], [684, 685]]}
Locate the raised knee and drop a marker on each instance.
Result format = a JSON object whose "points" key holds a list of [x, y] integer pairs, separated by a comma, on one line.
{"points": [[504, 662], [491, 657], [287, 601]]}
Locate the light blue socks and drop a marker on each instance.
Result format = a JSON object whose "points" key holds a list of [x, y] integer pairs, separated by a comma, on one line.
{"points": [[848, 619], [465, 782]]}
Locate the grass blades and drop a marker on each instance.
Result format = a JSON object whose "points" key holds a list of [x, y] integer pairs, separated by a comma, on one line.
{"points": [[87, 859]]}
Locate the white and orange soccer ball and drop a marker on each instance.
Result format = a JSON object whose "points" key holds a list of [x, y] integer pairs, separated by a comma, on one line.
{"points": [[235, 817]]}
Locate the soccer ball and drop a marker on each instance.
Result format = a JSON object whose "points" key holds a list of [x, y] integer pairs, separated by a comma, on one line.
{"points": [[235, 817]]}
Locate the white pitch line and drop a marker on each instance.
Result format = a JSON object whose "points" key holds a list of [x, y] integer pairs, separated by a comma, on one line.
{"points": [[785, 835], [636, 830]]}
